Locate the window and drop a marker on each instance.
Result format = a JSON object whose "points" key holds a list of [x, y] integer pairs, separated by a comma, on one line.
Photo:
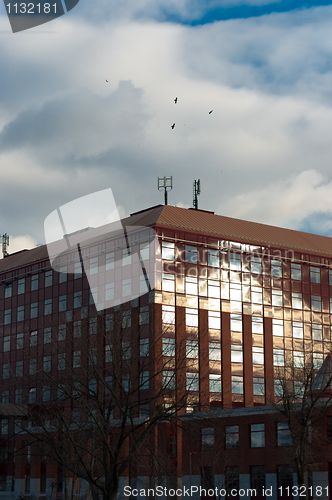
{"points": [[47, 335], [168, 347], [235, 262], [214, 289], [258, 480], [109, 291], [236, 322], [33, 338], [61, 361], [8, 316], [109, 262], [168, 250], [237, 385], [214, 351], [296, 273], [168, 379], [298, 359], [191, 285], [214, 320], [46, 394], [285, 480], [236, 353], [257, 435], [276, 269], [63, 274], [32, 366], [256, 295], [278, 327], [126, 288], [19, 369], [19, 340], [126, 350], [168, 282], [213, 258], [214, 383], [18, 396], [93, 356], [32, 395], [256, 265], [232, 437], [34, 282], [192, 381], [284, 437], [297, 330], [144, 315], [168, 314], [126, 318], [77, 270], [257, 325], [235, 292], [191, 254], [6, 344], [21, 286], [93, 265], [317, 332], [48, 278], [258, 386], [4, 425], [297, 300], [316, 303], [207, 435], [191, 317], [77, 299], [145, 378], [317, 360], [47, 363], [77, 329], [62, 303], [62, 332], [126, 257], [126, 382], [108, 354], [278, 357], [20, 313], [277, 299], [8, 290], [232, 480], [258, 355], [314, 274], [192, 349], [76, 359], [144, 347], [5, 371], [5, 397], [48, 306], [34, 310], [93, 326]]}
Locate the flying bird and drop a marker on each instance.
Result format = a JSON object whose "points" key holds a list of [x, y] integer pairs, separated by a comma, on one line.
{"points": [[176, 100], [172, 126], [210, 111], [107, 81]]}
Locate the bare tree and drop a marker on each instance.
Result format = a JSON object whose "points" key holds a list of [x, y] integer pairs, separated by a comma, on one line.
{"points": [[302, 397]]}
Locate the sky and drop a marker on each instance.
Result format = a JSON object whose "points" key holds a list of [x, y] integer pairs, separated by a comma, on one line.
{"points": [[264, 153]]}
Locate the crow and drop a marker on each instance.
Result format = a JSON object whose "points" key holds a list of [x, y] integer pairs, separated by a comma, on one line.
{"points": [[172, 126], [210, 111], [176, 100]]}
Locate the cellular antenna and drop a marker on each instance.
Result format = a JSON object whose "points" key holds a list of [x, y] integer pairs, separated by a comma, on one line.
{"points": [[197, 192], [165, 183], [5, 243]]}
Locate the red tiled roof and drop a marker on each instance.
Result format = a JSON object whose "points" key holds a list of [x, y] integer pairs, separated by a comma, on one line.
{"points": [[206, 223]]}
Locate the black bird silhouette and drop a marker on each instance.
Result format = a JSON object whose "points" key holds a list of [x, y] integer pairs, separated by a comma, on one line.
{"points": [[210, 111], [176, 100], [172, 126], [107, 81]]}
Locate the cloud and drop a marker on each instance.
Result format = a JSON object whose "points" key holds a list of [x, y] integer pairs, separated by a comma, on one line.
{"points": [[18, 243], [294, 202]]}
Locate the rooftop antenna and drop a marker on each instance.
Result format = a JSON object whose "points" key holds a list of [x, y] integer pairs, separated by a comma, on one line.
{"points": [[165, 183], [197, 192], [5, 243]]}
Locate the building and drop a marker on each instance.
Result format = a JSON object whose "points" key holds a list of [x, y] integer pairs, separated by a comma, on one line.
{"points": [[236, 305]]}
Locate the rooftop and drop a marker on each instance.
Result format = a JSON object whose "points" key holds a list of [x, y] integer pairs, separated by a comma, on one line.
{"points": [[205, 223]]}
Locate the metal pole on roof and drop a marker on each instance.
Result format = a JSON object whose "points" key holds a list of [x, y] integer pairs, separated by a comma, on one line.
{"points": [[5, 243], [165, 183], [197, 192]]}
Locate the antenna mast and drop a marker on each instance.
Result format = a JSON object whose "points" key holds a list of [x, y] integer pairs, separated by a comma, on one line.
{"points": [[197, 192], [165, 183], [5, 243]]}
